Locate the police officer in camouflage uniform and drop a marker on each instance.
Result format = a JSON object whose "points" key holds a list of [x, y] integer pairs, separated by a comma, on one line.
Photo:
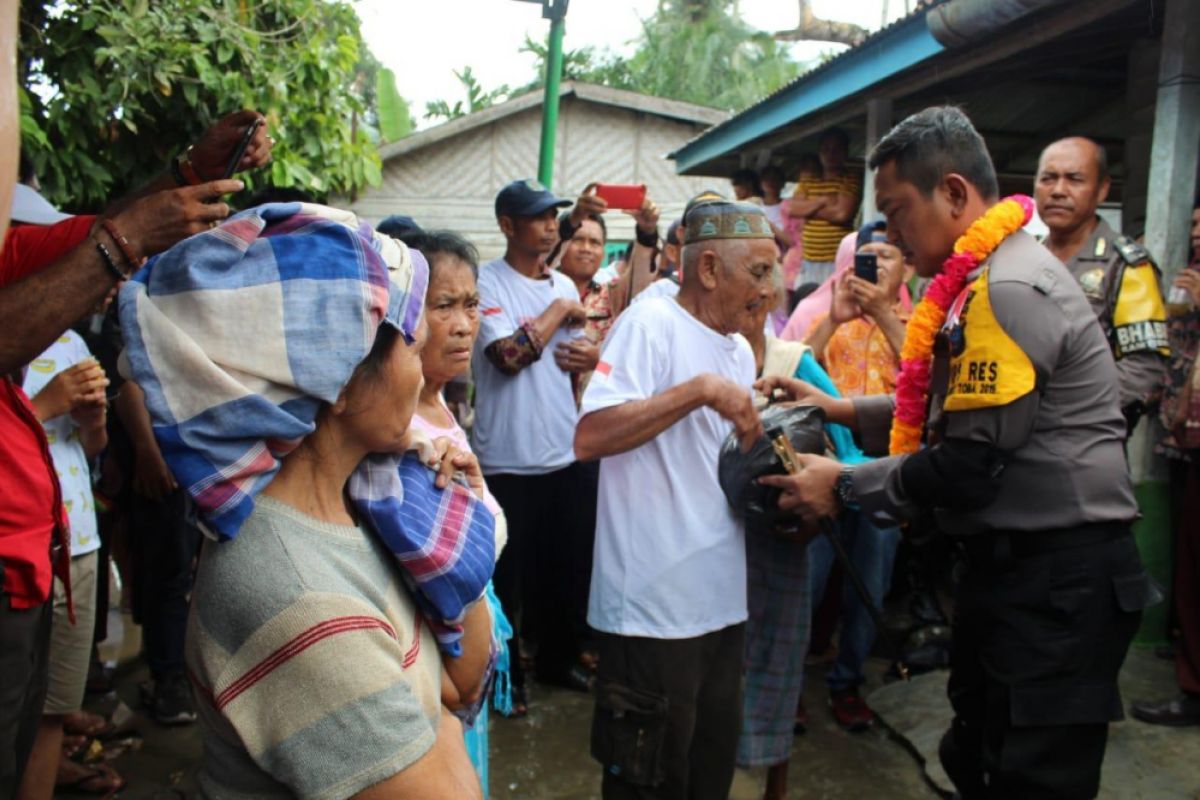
{"points": [[1116, 273], [1023, 467]]}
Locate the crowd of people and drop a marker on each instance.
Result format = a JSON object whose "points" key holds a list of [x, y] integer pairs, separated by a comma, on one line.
{"points": [[362, 490]]}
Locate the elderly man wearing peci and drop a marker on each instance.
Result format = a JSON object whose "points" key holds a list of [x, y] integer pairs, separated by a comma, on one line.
{"points": [[668, 595]]}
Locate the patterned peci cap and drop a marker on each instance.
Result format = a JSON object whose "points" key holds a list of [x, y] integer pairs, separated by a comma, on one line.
{"points": [[711, 216]]}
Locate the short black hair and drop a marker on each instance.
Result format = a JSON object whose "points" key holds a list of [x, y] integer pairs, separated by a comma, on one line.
{"points": [[596, 218], [775, 172], [808, 161], [432, 244], [933, 143], [747, 177], [836, 133]]}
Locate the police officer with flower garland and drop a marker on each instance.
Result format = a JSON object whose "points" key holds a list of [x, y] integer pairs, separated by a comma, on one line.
{"points": [[1008, 383], [1116, 273]]}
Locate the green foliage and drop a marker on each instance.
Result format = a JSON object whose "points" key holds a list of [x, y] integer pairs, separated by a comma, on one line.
{"points": [[477, 98], [702, 52], [113, 88], [393, 114], [585, 64], [694, 50]]}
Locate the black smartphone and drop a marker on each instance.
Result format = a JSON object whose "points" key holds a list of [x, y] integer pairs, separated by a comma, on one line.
{"points": [[866, 266], [240, 150]]}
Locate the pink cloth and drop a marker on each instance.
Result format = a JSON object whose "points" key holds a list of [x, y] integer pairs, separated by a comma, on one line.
{"points": [[458, 436], [816, 305], [793, 259]]}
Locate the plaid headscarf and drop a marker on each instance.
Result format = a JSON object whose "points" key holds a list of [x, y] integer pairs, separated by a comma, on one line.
{"points": [[238, 335]]}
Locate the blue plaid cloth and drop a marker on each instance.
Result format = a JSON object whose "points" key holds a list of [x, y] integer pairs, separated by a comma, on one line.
{"points": [[238, 335], [444, 538]]}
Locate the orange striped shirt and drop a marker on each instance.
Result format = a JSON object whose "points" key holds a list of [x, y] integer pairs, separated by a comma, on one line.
{"points": [[821, 238]]}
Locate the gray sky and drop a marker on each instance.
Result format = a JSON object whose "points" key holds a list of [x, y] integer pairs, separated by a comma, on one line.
{"points": [[423, 41]]}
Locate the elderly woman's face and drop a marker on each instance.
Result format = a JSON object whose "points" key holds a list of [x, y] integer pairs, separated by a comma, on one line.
{"points": [[452, 311], [380, 406]]}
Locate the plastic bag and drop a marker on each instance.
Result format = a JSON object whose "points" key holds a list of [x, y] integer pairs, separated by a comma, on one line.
{"points": [[738, 472]]}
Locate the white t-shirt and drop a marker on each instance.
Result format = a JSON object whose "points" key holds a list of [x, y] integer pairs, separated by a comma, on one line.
{"points": [[670, 557], [663, 287], [66, 451], [524, 423]]}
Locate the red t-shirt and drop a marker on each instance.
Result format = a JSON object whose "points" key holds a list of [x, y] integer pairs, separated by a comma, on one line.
{"points": [[30, 502]]}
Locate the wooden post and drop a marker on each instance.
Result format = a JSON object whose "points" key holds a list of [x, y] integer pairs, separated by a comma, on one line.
{"points": [[879, 122]]}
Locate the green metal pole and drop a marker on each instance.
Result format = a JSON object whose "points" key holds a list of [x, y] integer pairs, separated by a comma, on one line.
{"points": [[557, 10]]}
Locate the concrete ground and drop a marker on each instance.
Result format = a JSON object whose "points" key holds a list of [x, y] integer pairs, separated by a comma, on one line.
{"points": [[546, 756]]}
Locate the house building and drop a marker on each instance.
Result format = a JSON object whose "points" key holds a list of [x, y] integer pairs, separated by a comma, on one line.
{"points": [[448, 176]]}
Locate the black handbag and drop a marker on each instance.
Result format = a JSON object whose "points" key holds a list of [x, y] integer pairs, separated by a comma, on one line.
{"points": [[738, 472]]}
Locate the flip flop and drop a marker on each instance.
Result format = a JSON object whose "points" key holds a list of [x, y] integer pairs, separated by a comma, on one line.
{"points": [[99, 779]]}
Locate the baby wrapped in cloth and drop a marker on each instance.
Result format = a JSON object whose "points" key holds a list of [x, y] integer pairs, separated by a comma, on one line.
{"points": [[239, 335]]}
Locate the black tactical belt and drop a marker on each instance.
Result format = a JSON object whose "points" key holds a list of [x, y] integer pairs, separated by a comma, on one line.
{"points": [[999, 546]]}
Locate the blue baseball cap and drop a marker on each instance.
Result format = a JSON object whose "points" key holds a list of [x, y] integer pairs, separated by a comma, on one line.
{"points": [[526, 198], [398, 226]]}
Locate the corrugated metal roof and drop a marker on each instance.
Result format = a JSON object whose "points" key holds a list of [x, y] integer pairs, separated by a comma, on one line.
{"points": [[621, 98]]}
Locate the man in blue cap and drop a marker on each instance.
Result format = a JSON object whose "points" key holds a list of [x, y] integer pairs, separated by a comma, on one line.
{"points": [[525, 428]]}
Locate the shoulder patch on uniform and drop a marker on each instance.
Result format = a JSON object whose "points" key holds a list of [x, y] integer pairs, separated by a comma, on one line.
{"points": [[1131, 252], [1139, 320], [1045, 281]]}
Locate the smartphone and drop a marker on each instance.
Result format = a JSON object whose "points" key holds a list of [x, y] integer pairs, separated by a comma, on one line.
{"points": [[622, 195], [240, 150], [866, 266]]}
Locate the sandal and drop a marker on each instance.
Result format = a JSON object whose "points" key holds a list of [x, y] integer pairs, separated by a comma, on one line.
{"points": [[98, 779]]}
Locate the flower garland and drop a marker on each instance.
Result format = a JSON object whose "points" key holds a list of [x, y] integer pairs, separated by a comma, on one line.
{"points": [[971, 249]]}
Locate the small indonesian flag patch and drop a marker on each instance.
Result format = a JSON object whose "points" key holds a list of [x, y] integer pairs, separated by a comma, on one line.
{"points": [[491, 312], [604, 368]]}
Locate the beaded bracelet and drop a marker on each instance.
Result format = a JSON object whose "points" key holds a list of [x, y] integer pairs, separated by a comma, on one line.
{"points": [[123, 245], [109, 262]]}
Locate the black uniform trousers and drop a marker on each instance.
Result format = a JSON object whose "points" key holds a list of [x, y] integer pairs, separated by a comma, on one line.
{"points": [[543, 575], [1042, 625], [166, 540]]}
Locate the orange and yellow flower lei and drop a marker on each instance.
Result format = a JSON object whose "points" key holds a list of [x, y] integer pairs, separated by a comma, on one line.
{"points": [[916, 356]]}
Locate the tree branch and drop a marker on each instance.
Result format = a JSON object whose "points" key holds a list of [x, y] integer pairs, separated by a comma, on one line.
{"points": [[811, 28]]}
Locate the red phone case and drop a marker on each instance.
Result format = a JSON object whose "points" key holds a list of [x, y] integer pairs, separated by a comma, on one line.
{"points": [[622, 195]]}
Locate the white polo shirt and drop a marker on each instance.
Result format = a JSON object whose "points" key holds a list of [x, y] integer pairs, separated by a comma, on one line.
{"points": [[524, 423], [670, 557]]}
